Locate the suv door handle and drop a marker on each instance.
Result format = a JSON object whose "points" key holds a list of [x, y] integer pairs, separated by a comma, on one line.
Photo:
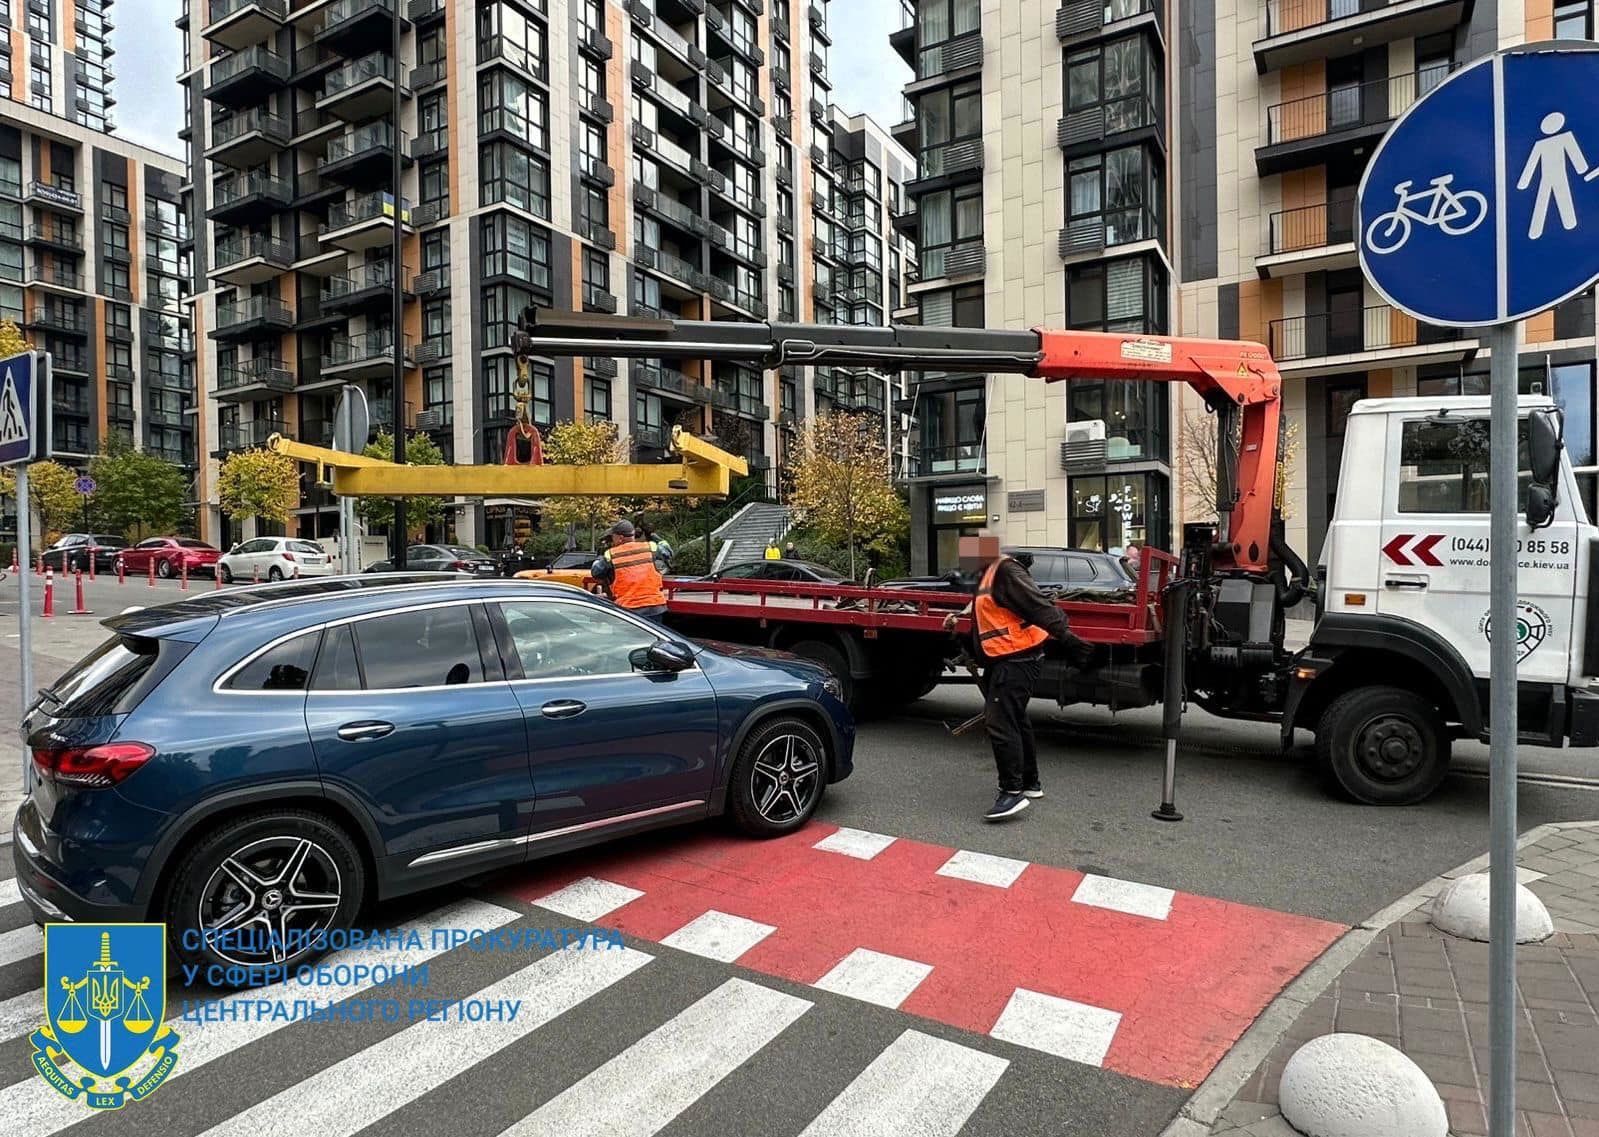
{"points": [[1404, 582], [563, 709], [365, 731]]}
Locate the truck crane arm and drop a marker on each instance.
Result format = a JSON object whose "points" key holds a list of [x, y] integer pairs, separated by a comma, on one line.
{"points": [[1238, 380]]}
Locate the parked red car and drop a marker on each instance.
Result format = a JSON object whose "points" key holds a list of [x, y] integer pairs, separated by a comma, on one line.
{"points": [[169, 555]]}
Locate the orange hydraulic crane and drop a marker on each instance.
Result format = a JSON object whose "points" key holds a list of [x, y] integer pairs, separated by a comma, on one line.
{"points": [[1238, 380]]}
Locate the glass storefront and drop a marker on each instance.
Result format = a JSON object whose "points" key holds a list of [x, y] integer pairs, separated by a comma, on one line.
{"points": [[954, 512], [1110, 510]]}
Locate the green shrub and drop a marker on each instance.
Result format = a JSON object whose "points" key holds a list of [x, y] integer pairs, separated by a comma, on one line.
{"points": [[688, 558], [885, 555], [545, 544]]}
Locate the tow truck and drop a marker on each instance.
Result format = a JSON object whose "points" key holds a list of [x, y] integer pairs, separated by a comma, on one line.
{"points": [[1396, 667]]}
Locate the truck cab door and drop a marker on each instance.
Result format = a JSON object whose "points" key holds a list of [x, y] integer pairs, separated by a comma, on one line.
{"points": [[1433, 548]]}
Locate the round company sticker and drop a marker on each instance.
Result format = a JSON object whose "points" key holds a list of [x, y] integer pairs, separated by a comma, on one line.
{"points": [[1532, 628]]}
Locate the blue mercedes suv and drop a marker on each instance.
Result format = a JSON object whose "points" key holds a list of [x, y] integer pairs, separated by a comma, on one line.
{"points": [[259, 765]]}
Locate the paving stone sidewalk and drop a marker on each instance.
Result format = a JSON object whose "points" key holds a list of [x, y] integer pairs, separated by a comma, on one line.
{"points": [[1426, 993]]}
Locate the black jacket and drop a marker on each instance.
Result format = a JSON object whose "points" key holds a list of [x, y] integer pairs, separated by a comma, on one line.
{"points": [[1015, 589]]}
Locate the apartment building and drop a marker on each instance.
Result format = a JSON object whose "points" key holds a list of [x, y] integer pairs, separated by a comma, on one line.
{"points": [[672, 158], [56, 57], [1184, 169], [93, 270]]}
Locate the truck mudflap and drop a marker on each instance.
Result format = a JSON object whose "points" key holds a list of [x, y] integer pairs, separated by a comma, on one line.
{"points": [[1584, 719]]}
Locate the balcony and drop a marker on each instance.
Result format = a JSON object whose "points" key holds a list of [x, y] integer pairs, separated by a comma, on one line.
{"points": [[425, 11], [235, 24], [66, 238], [1080, 20], [69, 362], [49, 318], [670, 382], [53, 197], [664, 207], [355, 27], [362, 158], [691, 280], [1298, 31], [369, 355], [252, 380], [247, 260], [1328, 343], [247, 77], [247, 199], [1312, 238], [247, 140], [1087, 237], [932, 462], [360, 90], [945, 165], [362, 223], [1343, 122], [1104, 126], [46, 274], [903, 41], [370, 287], [254, 317], [941, 62], [235, 436]]}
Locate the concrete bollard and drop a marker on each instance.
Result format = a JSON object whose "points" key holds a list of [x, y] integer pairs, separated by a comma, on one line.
{"points": [[1349, 1085]]}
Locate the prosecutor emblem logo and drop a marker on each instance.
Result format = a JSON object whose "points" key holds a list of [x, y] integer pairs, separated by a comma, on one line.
{"points": [[105, 991]]}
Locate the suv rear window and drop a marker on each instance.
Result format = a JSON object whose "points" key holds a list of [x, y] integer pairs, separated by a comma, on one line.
{"points": [[110, 680]]}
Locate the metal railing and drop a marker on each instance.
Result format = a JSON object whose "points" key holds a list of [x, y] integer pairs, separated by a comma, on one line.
{"points": [[266, 308], [237, 249], [1360, 104], [1311, 227], [1378, 328], [54, 274], [365, 207], [222, 9], [950, 458], [366, 347], [268, 372], [373, 136], [241, 124], [58, 319], [378, 65], [249, 185], [342, 11], [1109, 229], [256, 58], [247, 435], [62, 235], [1284, 16], [374, 274]]}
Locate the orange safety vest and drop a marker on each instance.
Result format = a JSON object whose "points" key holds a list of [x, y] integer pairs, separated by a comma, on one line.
{"points": [[637, 582], [1001, 632]]}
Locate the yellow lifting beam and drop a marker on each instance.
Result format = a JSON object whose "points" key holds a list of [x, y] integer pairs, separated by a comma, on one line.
{"points": [[705, 471]]}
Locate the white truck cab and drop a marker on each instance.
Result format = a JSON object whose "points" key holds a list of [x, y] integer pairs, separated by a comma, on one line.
{"points": [[1397, 665]]}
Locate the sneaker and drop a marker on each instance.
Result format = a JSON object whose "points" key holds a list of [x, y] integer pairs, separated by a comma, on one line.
{"points": [[1006, 805], [1033, 791]]}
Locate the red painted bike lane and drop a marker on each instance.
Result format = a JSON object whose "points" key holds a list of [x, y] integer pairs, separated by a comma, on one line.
{"points": [[1135, 978]]}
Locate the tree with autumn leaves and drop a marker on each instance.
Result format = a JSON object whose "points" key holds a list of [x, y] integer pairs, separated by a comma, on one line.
{"points": [[259, 483], [585, 444], [842, 485]]}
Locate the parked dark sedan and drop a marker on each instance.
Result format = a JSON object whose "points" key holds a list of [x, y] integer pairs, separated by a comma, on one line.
{"points": [[442, 558], [74, 551], [1053, 568], [253, 766], [803, 572]]}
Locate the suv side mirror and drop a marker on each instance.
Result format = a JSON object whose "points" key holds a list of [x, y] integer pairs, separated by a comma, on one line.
{"points": [[663, 655], [1545, 441]]}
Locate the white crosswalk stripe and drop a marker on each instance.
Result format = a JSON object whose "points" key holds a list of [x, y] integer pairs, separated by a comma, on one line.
{"points": [[21, 1014], [10, 892], [21, 944], [38, 1109], [366, 1087], [639, 1092], [920, 1086]]}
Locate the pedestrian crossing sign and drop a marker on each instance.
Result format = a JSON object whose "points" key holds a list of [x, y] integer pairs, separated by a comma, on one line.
{"points": [[23, 384]]}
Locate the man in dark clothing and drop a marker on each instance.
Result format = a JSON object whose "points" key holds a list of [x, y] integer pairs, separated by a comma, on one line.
{"points": [[1011, 622]]}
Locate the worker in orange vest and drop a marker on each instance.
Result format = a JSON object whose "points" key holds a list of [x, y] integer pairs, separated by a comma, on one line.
{"points": [[631, 570], [1012, 620]]}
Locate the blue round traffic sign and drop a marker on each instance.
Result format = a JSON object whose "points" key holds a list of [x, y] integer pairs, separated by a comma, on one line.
{"points": [[84, 484], [1481, 204]]}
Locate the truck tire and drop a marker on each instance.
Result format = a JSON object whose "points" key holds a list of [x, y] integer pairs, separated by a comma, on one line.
{"points": [[1383, 746], [905, 687], [831, 658]]}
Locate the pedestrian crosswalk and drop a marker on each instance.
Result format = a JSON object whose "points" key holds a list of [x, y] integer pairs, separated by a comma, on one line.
{"points": [[617, 1041]]}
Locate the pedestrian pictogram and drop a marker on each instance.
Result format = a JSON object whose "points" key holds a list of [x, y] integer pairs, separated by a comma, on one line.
{"points": [[13, 419], [1481, 205], [1418, 553], [20, 400]]}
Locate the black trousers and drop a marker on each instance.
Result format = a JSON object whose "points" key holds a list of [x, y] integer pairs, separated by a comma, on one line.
{"points": [[1007, 689]]}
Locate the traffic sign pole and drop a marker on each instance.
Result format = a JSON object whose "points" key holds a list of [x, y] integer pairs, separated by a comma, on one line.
{"points": [[24, 614], [1504, 341]]}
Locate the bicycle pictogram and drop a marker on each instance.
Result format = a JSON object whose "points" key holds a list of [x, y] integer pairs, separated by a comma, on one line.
{"points": [[1455, 213]]}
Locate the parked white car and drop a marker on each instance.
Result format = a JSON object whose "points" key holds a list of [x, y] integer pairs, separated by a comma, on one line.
{"points": [[274, 558]]}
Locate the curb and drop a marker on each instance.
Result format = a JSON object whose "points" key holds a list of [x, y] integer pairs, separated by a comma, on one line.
{"points": [[1217, 1091]]}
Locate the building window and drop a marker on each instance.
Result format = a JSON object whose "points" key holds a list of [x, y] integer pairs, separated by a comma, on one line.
{"points": [[436, 250], [597, 399], [499, 377], [949, 218], [516, 248], [785, 302], [513, 105], [1110, 511], [1572, 22], [11, 177], [1572, 385], [1435, 58], [435, 183], [1122, 78], [938, 21], [1111, 198], [511, 175], [1119, 296], [1135, 416], [504, 32], [596, 270], [438, 394], [951, 431], [946, 117]]}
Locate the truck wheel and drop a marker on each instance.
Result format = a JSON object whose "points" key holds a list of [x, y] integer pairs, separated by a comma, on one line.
{"points": [[831, 658], [906, 687], [778, 778], [1383, 746]]}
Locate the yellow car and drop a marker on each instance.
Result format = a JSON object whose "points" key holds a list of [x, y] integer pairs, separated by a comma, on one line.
{"points": [[567, 568]]}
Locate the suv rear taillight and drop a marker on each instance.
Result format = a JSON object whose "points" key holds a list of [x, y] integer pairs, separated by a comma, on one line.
{"points": [[92, 767]]}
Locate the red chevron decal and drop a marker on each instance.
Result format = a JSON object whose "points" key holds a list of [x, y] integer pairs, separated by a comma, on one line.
{"points": [[1422, 550], [1395, 550]]}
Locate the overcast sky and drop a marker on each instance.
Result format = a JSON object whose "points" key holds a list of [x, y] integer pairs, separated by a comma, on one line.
{"points": [[866, 73]]}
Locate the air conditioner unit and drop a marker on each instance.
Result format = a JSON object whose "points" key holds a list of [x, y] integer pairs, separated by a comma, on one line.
{"points": [[1083, 452]]}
